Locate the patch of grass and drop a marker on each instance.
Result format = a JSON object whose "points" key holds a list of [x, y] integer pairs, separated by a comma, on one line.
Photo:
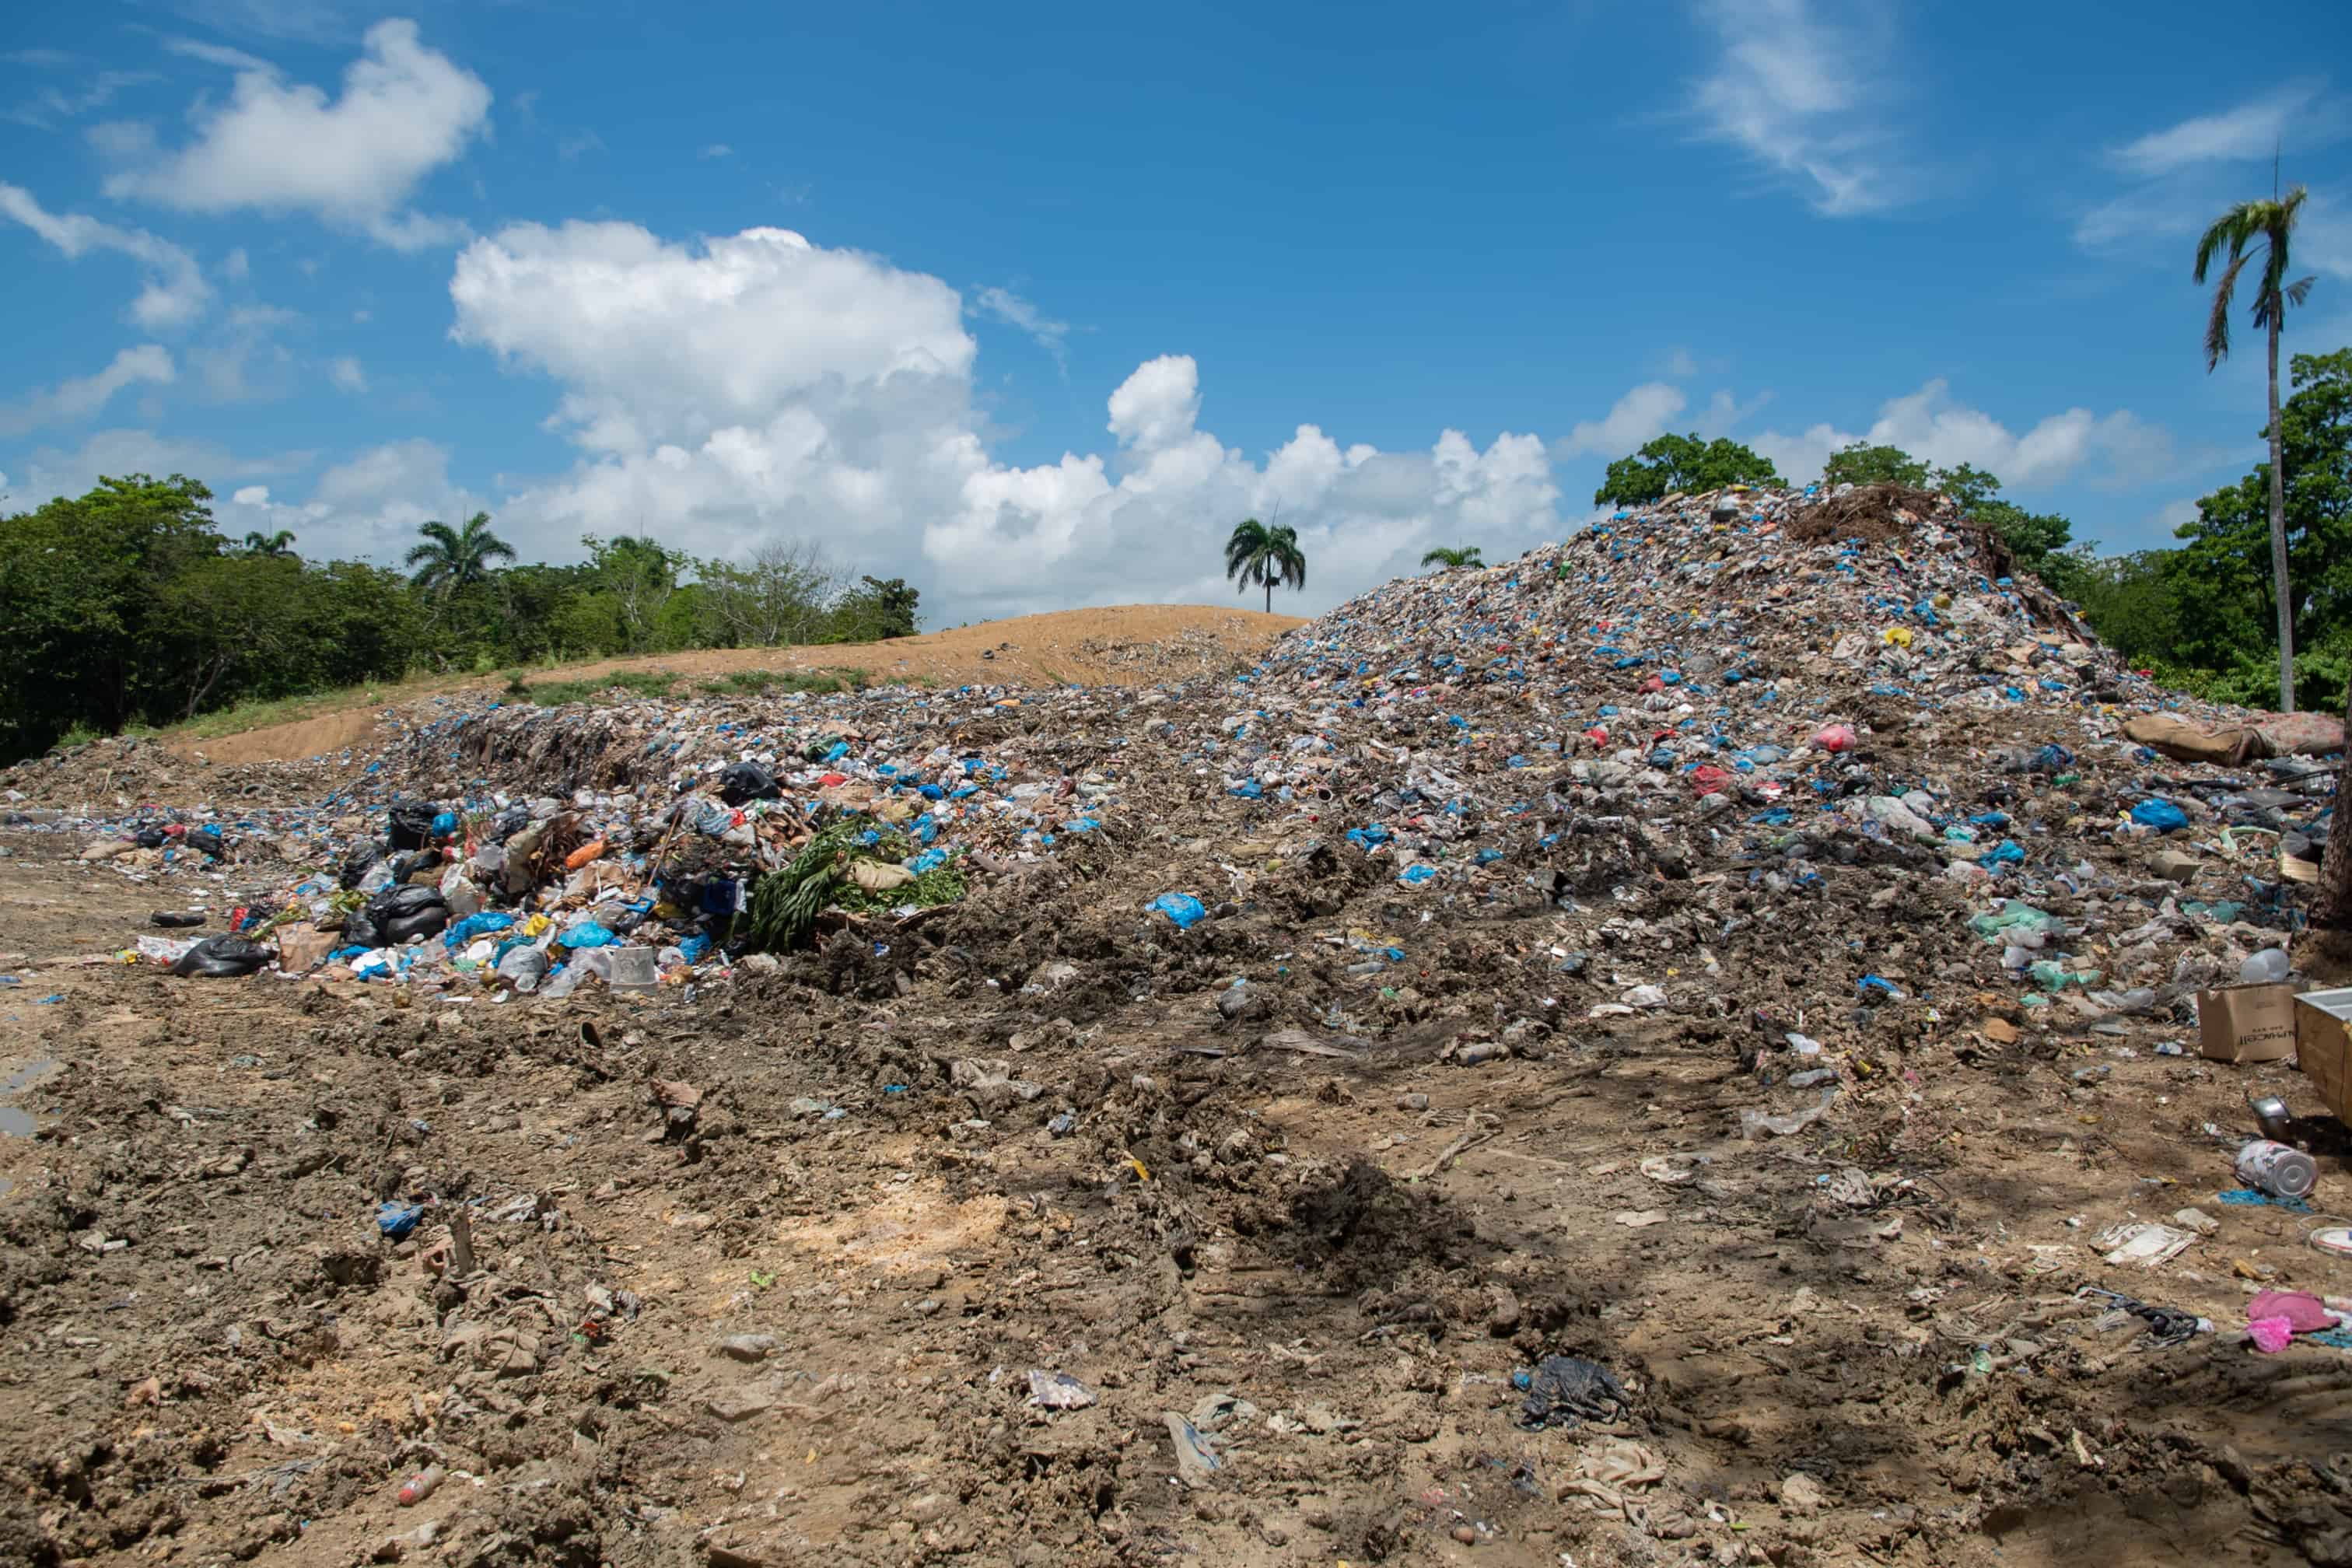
{"points": [[616, 686], [259, 715], [757, 683]]}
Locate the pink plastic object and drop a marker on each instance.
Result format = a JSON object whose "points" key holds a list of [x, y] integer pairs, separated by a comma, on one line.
{"points": [[2302, 1312], [2271, 1335], [1835, 738]]}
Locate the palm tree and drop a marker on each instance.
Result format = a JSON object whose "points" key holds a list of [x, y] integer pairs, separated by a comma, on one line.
{"points": [[451, 558], [2271, 222], [1451, 556], [278, 544], [1257, 555]]}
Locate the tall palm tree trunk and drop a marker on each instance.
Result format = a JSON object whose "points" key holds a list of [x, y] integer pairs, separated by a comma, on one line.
{"points": [[1269, 596], [2278, 535]]}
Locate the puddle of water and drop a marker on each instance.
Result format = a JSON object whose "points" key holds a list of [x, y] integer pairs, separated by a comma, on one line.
{"points": [[16, 1121]]}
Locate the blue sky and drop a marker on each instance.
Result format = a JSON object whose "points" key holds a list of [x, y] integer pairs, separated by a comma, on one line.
{"points": [[1030, 308]]}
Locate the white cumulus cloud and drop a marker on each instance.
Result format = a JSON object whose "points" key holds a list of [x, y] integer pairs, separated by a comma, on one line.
{"points": [[756, 385], [345, 372], [175, 293], [1636, 417], [2120, 448], [354, 161]]}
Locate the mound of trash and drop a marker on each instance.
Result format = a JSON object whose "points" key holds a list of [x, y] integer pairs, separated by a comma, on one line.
{"points": [[1684, 726], [1542, 1040]]}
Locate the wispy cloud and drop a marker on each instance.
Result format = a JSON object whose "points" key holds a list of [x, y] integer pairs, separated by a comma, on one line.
{"points": [[51, 105], [1795, 90], [1015, 311], [2252, 129], [85, 396], [717, 150], [217, 54], [578, 144], [176, 293], [2184, 176]]}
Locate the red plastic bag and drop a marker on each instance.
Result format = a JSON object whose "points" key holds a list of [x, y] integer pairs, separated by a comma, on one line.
{"points": [[1835, 738], [1708, 779]]}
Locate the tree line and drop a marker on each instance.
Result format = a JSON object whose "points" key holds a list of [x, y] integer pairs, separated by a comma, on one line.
{"points": [[129, 606]]}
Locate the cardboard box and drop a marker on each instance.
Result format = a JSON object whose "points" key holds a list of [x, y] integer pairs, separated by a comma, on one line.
{"points": [[2324, 1046], [2247, 1023]]}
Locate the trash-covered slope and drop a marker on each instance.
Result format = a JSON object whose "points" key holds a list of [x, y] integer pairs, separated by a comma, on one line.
{"points": [[1650, 1053]]}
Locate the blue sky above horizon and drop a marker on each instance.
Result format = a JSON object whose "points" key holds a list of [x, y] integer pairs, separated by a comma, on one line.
{"points": [[1030, 310]]}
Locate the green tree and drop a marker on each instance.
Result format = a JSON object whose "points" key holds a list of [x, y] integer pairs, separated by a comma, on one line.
{"points": [[2226, 569], [881, 608], [236, 622], [782, 594], [1452, 556], [1684, 464], [451, 559], [2273, 224], [640, 575], [278, 544], [1863, 463], [79, 582], [1968, 485], [1259, 556]]}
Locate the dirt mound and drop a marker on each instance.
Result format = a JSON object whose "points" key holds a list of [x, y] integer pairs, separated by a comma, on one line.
{"points": [[1119, 645]]}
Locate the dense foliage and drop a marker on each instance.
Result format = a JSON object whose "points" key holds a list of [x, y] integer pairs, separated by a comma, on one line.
{"points": [[2203, 615], [127, 606], [1673, 463]]}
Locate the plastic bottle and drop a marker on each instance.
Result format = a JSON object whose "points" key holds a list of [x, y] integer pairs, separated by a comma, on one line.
{"points": [[2268, 967]]}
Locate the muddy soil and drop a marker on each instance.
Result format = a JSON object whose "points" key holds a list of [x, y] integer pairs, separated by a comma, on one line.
{"points": [[760, 1274]]}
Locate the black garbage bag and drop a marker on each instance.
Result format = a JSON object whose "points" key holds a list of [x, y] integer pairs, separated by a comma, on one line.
{"points": [[747, 782], [356, 864], [400, 914], [406, 865], [507, 824], [205, 841], [169, 918], [221, 957], [152, 838], [410, 824], [359, 931]]}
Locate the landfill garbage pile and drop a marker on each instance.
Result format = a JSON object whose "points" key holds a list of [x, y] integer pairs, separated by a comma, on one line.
{"points": [[1680, 1048]]}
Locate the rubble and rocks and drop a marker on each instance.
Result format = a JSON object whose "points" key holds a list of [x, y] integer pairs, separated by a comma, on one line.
{"points": [[1285, 1051]]}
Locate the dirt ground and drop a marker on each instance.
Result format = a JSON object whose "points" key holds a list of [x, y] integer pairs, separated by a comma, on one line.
{"points": [[747, 1331], [1116, 645]]}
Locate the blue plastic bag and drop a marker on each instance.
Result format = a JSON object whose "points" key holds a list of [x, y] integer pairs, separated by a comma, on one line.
{"points": [[475, 925], [1414, 876], [2160, 814], [587, 934], [1185, 909]]}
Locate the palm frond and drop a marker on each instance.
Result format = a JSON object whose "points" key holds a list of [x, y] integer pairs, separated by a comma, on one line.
{"points": [[2300, 291], [2217, 325], [2232, 229]]}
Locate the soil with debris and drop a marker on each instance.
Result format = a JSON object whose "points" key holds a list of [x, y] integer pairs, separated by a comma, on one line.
{"points": [[1494, 1216]]}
